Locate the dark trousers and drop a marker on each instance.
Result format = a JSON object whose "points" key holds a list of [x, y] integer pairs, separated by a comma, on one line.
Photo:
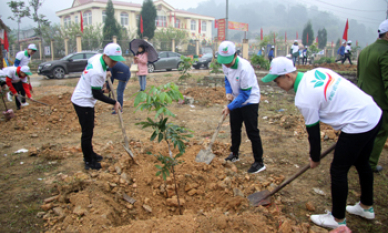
{"points": [[352, 149], [347, 56], [304, 61], [86, 120], [247, 114], [20, 90]]}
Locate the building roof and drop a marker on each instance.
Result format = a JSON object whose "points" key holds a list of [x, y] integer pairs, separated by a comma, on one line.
{"points": [[77, 3]]}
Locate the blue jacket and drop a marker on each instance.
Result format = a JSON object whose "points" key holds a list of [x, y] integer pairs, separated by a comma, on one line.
{"points": [[270, 54], [120, 72], [341, 51]]}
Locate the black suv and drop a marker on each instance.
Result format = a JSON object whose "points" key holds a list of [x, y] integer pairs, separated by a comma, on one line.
{"points": [[74, 62]]}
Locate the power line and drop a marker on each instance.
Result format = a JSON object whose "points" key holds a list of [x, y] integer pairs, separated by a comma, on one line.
{"points": [[349, 8]]}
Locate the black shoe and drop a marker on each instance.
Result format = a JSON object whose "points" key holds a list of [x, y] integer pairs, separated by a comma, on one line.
{"points": [[256, 168], [378, 169], [97, 158], [92, 165], [232, 157]]}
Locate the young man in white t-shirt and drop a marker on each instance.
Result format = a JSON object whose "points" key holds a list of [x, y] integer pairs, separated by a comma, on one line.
{"points": [[348, 53], [323, 95], [16, 79], [90, 89], [243, 91]]}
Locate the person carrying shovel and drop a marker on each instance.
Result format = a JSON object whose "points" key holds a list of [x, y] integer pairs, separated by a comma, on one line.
{"points": [[86, 94], [323, 95], [16, 79], [243, 91]]}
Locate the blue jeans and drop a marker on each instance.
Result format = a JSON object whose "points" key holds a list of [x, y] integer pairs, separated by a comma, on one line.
{"points": [[120, 91], [143, 82], [294, 59]]}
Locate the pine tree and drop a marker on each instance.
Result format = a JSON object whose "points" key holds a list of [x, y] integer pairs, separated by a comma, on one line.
{"points": [[111, 26], [308, 29], [148, 13], [322, 38]]}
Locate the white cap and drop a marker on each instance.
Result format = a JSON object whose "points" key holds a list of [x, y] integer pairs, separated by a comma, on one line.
{"points": [[383, 27], [349, 41], [32, 47], [295, 41], [279, 66], [273, 46], [114, 51], [226, 52], [26, 70]]}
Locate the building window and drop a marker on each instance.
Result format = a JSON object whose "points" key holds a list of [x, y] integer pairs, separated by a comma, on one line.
{"points": [[66, 21], [160, 21], [103, 16], [193, 25], [177, 23], [87, 17], [203, 28], [124, 19], [76, 21]]}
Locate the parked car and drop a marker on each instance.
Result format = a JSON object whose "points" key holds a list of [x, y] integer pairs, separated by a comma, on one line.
{"points": [[203, 61], [167, 61], [74, 62]]}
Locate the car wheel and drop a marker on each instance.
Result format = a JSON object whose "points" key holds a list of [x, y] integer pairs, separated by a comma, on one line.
{"points": [[168, 69], [196, 67], [151, 68], [206, 66], [59, 72]]}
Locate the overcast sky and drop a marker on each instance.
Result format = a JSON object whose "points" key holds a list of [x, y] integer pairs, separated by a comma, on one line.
{"points": [[369, 12]]}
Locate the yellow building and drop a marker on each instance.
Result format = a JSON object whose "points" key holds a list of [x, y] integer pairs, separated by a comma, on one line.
{"points": [[128, 14]]}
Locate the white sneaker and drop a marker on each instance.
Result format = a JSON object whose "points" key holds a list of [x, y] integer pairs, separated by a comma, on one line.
{"points": [[9, 96], [25, 104], [326, 220], [358, 210]]}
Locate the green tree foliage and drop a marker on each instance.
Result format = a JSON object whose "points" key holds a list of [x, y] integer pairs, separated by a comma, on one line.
{"points": [[337, 45], [322, 38], [38, 18], [164, 36], [308, 29], [260, 62], [19, 11], [111, 26], [148, 13]]}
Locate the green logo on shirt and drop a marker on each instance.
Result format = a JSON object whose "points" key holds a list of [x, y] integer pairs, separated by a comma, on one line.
{"points": [[237, 78], [319, 79]]}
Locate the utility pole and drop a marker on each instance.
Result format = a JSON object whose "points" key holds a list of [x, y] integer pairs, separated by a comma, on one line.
{"points": [[226, 19]]}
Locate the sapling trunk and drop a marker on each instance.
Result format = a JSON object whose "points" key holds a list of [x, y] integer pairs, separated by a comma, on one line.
{"points": [[176, 190]]}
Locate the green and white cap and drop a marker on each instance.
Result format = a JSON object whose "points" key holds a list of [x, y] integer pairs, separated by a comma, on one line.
{"points": [[114, 51], [226, 52], [32, 47], [26, 70], [279, 66]]}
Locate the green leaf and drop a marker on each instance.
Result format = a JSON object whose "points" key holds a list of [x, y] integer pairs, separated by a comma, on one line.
{"points": [[319, 75], [164, 175], [141, 97], [158, 167], [149, 153], [153, 136], [158, 173], [160, 137], [318, 84]]}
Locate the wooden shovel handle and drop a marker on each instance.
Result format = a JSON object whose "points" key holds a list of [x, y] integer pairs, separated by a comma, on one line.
{"points": [[216, 133], [300, 172]]}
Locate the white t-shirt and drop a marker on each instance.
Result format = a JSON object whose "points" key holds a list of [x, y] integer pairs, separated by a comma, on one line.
{"points": [[10, 72], [323, 95], [295, 48], [23, 57], [348, 48], [243, 78], [93, 77]]}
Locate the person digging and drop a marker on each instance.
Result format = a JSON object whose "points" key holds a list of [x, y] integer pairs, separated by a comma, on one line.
{"points": [[323, 95], [17, 82], [243, 91], [86, 94]]}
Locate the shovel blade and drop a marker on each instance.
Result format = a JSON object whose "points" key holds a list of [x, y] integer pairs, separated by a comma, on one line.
{"points": [[260, 198], [204, 156]]}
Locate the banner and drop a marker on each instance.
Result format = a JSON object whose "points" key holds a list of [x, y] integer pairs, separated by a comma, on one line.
{"points": [[221, 29], [233, 25]]}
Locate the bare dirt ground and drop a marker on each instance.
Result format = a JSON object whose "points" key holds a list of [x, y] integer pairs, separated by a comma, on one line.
{"points": [[47, 189]]}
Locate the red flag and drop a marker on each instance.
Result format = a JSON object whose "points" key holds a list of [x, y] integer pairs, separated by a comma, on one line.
{"points": [[285, 39], [199, 26], [141, 25], [261, 34], [174, 19], [345, 36], [356, 42], [307, 41], [82, 23], [215, 23], [274, 38], [296, 35], [316, 40], [5, 41]]}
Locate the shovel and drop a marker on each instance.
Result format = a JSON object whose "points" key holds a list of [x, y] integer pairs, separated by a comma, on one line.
{"points": [[9, 113], [126, 146], [263, 197], [207, 156], [20, 97]]}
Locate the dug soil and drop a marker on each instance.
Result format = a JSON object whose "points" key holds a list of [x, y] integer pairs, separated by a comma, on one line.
{"points": [[47, 189]]}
